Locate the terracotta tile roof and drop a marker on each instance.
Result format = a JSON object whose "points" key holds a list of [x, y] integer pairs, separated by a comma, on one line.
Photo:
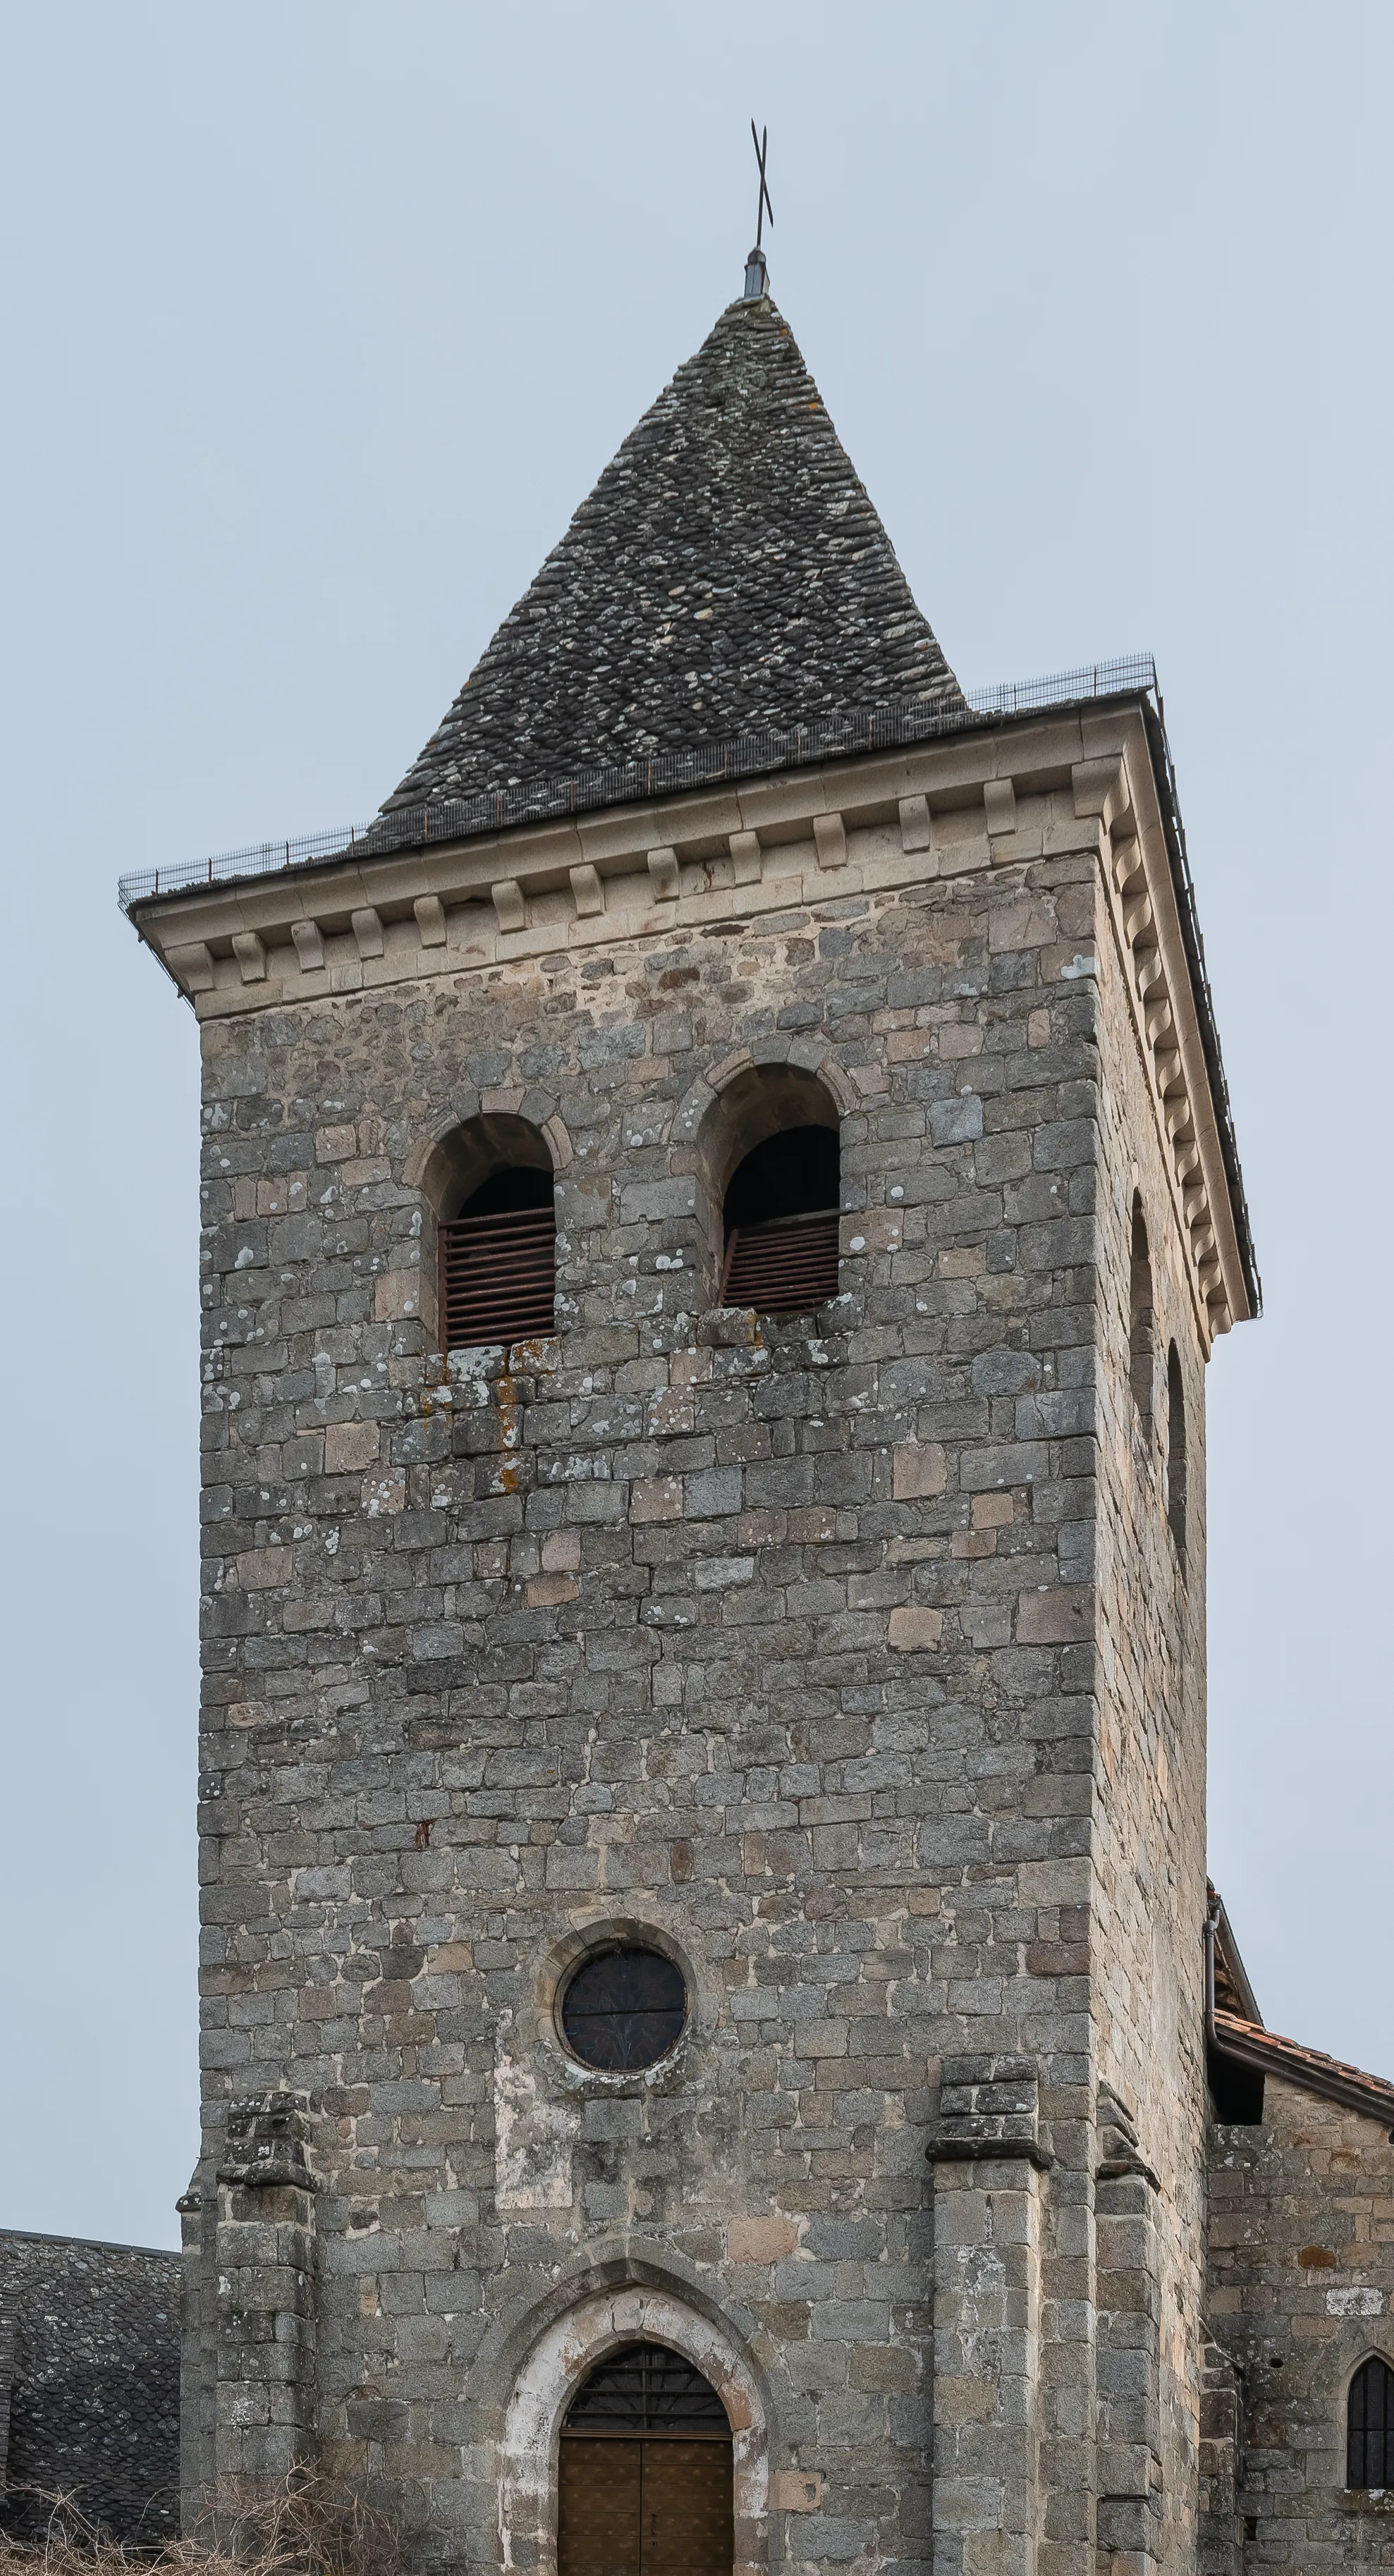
{"points": [[1270, 2054], [728, 573]]}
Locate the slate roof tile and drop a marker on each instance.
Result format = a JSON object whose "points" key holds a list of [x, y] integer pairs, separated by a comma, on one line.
{"points": [[89, 2376], [727, 573]]}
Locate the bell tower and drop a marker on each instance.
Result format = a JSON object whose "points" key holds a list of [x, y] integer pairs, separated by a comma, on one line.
{"points": [[717, 1206]]}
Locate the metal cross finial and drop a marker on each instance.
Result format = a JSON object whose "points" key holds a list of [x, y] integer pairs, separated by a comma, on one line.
{"points": [[763, 208]]}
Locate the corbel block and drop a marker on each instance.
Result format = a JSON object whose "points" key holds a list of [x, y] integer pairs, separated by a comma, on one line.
{"points": [[663, 868], [1137, 916], [988, 2111], [366, 925], [309, 945], [250, 956], [193, 964], [509, 905], [747, 863], [1127, 859], [430, 920], [587, 889], [999, 804], [1102, 788], [830, 840], [916, 832]]}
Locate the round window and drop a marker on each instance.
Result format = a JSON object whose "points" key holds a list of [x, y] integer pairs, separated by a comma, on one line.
{"points": [[624, 2008]]}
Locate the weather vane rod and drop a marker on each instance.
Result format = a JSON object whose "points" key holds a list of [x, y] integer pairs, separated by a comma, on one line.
{"points": [[755, 285]]}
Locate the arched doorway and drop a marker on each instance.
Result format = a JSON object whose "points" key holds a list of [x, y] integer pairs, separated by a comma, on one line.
{"points": [[645, 2471]]}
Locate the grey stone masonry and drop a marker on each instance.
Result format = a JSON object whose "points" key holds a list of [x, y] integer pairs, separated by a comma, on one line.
{"points": [[1301, 2292], [987, 2302], [854, 1660], [264, 2251]]}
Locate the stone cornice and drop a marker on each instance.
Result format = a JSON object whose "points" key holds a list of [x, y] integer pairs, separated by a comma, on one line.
{"points": [[1080, 780], [1116, 784]]}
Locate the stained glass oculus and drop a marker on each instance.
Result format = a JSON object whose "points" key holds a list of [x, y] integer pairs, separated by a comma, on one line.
{"points": [[624, 2009]]}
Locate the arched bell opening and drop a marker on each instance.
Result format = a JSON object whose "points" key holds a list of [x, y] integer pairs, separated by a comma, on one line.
{"points": [[772, 1163], [645, 2470], [780, 1221], [489, 1187]]}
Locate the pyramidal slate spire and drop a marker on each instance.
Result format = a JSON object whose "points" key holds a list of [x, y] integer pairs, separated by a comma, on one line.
{"points": [[727, 574]]}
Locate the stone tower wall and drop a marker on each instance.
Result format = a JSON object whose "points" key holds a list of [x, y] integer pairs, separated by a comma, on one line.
{"points": [[1149, 1856], [814, 1654]]}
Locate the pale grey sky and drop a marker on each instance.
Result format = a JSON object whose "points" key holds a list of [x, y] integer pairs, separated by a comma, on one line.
{"points": [[319, 318]]}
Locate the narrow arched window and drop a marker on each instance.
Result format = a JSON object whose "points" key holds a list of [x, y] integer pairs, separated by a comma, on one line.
{"points": [[1370, 2426], [1140, 1324], [1176, 1449], [781, 1216], [498, 1262]]}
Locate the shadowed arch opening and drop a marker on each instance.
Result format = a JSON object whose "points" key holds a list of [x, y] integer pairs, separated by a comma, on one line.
{"points": [[773, 1168], [1176, 1449], [490, 1186], [1141, 1328]]}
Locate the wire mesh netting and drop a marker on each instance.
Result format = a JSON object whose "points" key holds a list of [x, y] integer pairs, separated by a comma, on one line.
{"points": [[646, 2388], [751, 755]]}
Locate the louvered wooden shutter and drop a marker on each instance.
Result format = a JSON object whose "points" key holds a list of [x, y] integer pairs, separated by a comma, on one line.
{"points": [[498, 1278], [785, 1267]]}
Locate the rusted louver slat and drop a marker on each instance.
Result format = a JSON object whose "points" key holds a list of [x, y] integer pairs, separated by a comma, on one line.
{"points": [[784, 1268], [498, 1277]]}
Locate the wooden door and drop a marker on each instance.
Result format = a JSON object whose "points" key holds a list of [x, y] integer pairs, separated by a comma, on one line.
{"points": [[688, 2529], [644, 2508], [598, 2508]]}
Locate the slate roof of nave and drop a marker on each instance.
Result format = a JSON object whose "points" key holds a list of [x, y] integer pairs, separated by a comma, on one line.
{"points": [[728, 573]]}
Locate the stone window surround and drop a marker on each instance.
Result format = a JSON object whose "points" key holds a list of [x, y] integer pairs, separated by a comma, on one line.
{"points": [[563, 2356], [537, 2025], [1069, 782]]}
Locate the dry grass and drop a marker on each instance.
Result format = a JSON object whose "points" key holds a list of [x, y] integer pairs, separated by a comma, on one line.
{"points": [[308, 2527]]}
